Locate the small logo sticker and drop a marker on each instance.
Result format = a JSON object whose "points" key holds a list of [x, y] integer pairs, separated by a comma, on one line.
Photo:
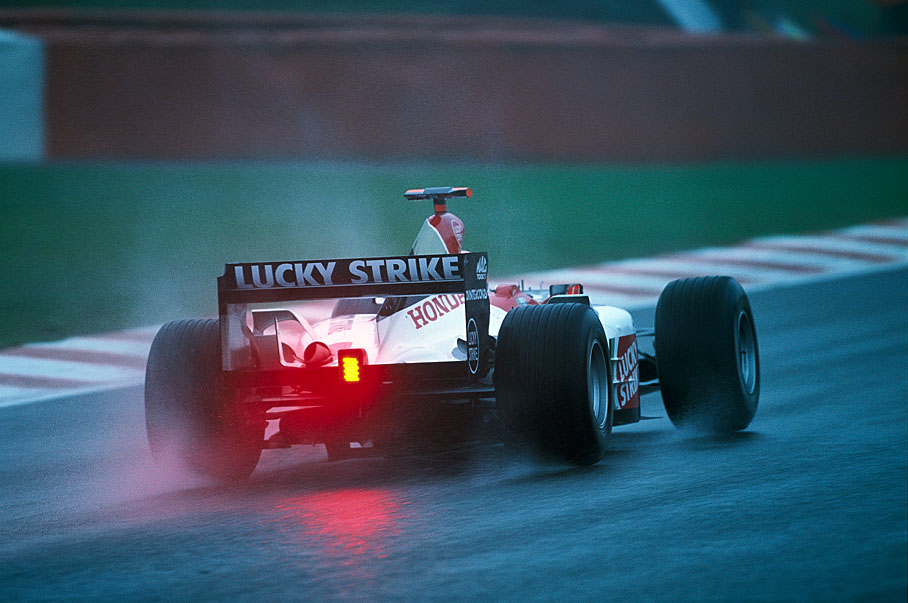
{"points": [[482, 268], [472, 346], [626, 370]]}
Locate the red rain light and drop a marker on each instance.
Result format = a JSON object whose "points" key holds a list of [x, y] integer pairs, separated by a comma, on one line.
{"points": [[351, 362], [350, 368]]}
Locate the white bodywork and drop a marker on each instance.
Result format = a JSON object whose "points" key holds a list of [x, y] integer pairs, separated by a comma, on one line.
{"points": [[428, 330], [415, 335]]}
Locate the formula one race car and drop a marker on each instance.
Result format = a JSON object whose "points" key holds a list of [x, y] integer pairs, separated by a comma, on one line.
{"points": [[416, 353]]}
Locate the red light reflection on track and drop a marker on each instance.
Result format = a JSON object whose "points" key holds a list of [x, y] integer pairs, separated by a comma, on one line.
{"points": [[352, 525]]}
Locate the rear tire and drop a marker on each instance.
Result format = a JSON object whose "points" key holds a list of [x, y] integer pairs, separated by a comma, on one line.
{"points": [[707, 355], [189, 416], [552, 381]]}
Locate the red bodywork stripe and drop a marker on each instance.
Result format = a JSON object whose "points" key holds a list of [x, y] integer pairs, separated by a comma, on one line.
{"points": [[443, 225]]}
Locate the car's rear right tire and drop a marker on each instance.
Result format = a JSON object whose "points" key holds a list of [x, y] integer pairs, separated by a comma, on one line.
{"points": [[707, 354], [552, 381], [190, 418]]}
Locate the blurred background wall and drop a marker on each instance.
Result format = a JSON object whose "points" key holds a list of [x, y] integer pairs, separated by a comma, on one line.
{"points": [[178, 85]]}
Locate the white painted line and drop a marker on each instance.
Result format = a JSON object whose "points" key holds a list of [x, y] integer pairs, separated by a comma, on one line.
{"points": [[780, 259], [818, 244], [830, 276], [125, 347], [10, 396], [691, 265], [56, 394], [824, 277], [62, 369], [894, 229]]}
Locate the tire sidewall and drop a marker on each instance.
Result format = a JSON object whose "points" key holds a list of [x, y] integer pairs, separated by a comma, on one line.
{"points": [[590, 424]]}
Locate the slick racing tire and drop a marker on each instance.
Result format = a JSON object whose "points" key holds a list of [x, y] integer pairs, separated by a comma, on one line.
{"points": [[552, 383], [707, 355], [189, 417]]}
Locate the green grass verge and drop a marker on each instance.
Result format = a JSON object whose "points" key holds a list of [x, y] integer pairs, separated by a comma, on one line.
{"points": [[101, 246]]}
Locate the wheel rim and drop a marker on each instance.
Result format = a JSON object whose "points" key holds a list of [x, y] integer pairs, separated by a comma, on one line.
{"points": [[597, 383], [747, 352]]}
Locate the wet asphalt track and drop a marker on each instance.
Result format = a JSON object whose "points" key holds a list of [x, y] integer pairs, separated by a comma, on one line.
{"points": [[809, 503]]}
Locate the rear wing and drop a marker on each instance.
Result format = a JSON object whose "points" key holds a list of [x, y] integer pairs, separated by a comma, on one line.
{"points": [[438, 193], [275, 282]]}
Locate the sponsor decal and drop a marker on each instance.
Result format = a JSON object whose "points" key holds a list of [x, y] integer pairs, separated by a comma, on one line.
{"points": [[339, 326], [627, 380], [354, 272], [482, 268], [457, 227], [434, 308], [297, 274], [472, 346], [474, 294], [400, 271]]}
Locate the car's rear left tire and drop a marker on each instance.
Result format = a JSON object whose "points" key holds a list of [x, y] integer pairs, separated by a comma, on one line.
{"points": [[552, 381], [190, 418]]}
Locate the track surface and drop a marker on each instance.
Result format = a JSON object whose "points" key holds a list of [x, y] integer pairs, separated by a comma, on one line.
{"points": [[809, 503]]}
